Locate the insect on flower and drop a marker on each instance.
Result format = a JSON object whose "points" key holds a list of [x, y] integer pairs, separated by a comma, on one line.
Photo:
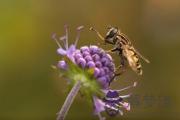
{"points": [[124, 47], [89, 70]]}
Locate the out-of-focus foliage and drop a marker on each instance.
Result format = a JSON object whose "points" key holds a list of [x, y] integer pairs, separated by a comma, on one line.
{"points": [[31, 90]]}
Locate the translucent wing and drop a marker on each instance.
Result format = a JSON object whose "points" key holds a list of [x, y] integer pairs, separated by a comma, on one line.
{"points": [[132, 59], [141, 56], [125, 37]]}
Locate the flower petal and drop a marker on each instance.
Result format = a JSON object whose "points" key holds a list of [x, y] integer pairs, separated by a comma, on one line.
{"points": [[126, 105], [61, 51], [98, 104], [62, 64], [71, 49]]}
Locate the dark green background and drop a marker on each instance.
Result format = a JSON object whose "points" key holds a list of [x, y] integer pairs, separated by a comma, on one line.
{"points": [[31, 90]]}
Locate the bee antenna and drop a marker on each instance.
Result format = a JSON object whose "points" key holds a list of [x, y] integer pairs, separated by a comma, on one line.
{"points": [[100, 36]]}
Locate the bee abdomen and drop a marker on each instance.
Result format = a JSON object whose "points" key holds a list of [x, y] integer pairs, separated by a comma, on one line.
{"points": [[138, 65], [133, 59], [139, 69]]}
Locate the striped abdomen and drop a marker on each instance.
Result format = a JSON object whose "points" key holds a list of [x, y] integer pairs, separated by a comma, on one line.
{"points": [[132, 58]]}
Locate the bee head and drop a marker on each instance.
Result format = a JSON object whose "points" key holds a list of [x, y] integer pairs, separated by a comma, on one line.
{"points": [[111, 34]]}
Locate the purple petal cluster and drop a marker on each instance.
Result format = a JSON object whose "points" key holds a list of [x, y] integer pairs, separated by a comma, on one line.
{"points": [[87, 57], [96, 58], [92, 57]]}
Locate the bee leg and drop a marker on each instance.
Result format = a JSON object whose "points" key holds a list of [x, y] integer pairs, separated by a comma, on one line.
{"points": [[109, 51], [118, 72], [112, 50], [115, 75], [120, 68]]}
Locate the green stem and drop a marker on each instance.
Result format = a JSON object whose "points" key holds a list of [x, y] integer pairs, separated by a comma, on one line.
{"points": [[69, 100]]}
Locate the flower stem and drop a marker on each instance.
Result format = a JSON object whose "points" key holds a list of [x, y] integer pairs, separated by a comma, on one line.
{"points": [[69, 100]]}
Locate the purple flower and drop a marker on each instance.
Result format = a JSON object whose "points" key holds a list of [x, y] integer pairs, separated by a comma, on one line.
{"points": [[62, 64], [88, 57], [112, 103], [91, 57]]}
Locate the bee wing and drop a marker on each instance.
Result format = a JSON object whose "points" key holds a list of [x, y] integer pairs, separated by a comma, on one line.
{"points": [[129, 54], [141, 56], [125, 37], [132, 59]]}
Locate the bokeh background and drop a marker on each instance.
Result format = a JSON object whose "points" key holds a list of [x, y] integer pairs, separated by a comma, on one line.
{"points": [[31, 90]]}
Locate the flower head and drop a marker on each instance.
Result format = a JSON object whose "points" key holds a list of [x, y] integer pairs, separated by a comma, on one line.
{"points": [[87, 57], [112, 103]]}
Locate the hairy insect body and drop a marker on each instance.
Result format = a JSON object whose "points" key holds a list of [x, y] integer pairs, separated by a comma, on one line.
{"points": [[127, 53], [124, 47]]}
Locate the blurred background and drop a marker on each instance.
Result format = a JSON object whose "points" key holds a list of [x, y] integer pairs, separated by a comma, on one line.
{"points": [[31, 90]]}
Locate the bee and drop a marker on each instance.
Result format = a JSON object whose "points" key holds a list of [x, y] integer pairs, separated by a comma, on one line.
{"points": [[122, 45]]}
